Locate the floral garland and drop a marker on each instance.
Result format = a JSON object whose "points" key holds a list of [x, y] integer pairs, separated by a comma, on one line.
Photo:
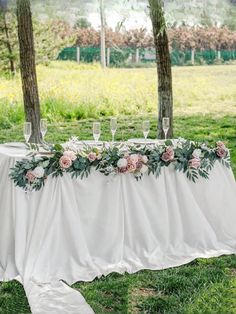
{"points": [[194, 159]]}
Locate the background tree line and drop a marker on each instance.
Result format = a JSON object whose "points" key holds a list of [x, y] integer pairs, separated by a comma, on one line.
{"points": [[52, 36]]}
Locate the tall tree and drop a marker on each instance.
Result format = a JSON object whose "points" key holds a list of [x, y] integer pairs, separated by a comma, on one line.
{"points": [[103, 34], [165, 93], [28, 68]]}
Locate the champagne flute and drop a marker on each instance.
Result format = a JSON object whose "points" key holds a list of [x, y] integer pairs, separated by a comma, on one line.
{"points": [[113, 125], [96, 131], [27, 131], [165, 125], [146, 128], [43, 127]]}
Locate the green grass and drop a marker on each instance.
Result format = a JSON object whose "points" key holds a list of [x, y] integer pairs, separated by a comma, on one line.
{"points": [[205, 286], [70, 92]]}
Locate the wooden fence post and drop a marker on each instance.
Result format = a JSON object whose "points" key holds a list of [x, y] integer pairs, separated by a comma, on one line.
{"points": [[78, 54], [108, 56], [192, 56], [137, 55]]}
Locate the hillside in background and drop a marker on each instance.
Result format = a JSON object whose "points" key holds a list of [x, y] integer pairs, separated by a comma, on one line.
{"points": [[134, 13]]}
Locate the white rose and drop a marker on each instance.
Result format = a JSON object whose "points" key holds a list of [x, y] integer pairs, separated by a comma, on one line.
{"points": [[38, 172], [99, 157], [197, 153], [144, 159], [122, 163], [110, 169], [144, 169]]}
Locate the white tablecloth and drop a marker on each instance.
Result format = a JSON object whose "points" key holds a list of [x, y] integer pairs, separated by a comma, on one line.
{"points": [[77, 229]]}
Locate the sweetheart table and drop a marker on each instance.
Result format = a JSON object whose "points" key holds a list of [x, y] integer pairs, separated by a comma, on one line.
{"points": [[77, 230]]}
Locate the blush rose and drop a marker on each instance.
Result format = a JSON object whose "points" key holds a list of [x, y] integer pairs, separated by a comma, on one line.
{"points": [[168, 155], [221, 152], [70, 154], [92, 156], [30, 176], [65, 162], [194, 163]]}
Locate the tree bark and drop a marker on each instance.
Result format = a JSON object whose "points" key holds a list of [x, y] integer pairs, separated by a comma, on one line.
{"points": [[103, 35], [28, 68], [165, 93]]}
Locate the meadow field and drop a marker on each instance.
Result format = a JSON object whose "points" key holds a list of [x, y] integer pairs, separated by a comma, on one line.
{"points": [[72, 96], [72, 92]]}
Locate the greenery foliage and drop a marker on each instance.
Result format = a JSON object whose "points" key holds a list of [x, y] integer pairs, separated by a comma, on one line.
{"points": [[106, 160], [8, 42]]}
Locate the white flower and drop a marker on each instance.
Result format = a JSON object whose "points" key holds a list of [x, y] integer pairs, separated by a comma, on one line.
{"points": [[110, 169], [38, 172], [144, 159], [197, 153], [122, 163], [99, 157], [144, 169]]}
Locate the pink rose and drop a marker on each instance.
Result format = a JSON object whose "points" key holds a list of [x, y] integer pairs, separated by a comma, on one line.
{"points": [[30, 176], [131, 167], [168, 155], [139, 165], [221, 152], [220, 144], [70, 154], [122, 170], [194, 163], [65, 162], [134, 158], [92, 156]]}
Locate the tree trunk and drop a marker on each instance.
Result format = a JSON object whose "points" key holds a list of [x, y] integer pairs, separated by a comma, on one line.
{"points": [[28, 69], [103, 36], [218, 54], [165, 93]]}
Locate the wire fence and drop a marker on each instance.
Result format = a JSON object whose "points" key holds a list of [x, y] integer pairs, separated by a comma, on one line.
{"points": [[125, 56]]}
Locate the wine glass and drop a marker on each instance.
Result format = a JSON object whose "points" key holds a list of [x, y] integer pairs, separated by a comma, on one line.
{"points": [[113, 125], [166, 126], [146, 128], [96, 131], [43, 127], [27, 131]]}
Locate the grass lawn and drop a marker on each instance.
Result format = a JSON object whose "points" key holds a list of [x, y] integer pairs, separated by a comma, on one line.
{"points": [[203, 286], [71, 92]]}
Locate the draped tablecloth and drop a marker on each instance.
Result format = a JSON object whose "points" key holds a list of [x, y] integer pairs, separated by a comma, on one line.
{"points": [[75, 230]]}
